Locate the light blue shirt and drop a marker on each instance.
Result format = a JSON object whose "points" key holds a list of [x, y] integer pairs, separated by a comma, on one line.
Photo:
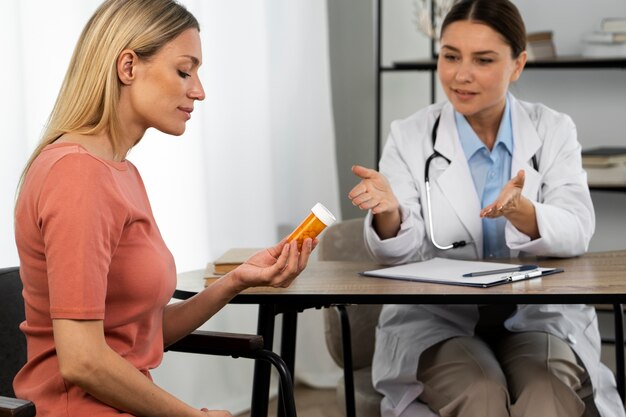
{"points": [[490, 172]]}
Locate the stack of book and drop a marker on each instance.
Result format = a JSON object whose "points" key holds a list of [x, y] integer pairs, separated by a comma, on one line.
{"points": [[605, 166], [608, 42], [539, 45], [225, 263]]}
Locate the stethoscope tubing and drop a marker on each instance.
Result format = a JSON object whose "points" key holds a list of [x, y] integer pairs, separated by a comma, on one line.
{"points": [[434, 155]]}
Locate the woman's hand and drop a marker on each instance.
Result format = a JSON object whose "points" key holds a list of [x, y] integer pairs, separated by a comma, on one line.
{"points": [[514, 207], [374, 193], [277, 266]]}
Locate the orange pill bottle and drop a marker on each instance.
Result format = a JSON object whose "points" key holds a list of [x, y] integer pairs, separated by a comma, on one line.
{"points": [[318, 220]]}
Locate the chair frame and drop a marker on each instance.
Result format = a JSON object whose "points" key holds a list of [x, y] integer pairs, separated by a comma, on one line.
{"points": [[239, 345], [236, 345]]}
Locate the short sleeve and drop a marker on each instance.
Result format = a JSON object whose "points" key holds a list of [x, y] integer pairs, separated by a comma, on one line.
{"points": [[81, 220]]}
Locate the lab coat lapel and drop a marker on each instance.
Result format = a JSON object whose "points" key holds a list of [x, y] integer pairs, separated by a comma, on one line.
{"points": [[455, 182], [526, 144]]}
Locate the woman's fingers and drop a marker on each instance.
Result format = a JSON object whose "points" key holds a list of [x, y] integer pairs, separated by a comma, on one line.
{"points": [[307, 248], [287, 269]]}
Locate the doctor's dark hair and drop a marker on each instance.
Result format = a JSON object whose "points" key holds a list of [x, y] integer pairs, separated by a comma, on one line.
{"points": [[500, 15]]}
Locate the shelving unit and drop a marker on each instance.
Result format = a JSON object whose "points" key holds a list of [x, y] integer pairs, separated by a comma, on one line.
{"points": [[426, 65], [561, 62], [610, 189]]}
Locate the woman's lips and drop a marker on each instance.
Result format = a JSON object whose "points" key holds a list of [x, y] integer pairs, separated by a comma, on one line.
{"points": [[464, 94], [187, 111]]}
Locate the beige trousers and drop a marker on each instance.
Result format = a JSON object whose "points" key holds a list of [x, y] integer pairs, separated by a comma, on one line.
{"points": [[517, 374]]}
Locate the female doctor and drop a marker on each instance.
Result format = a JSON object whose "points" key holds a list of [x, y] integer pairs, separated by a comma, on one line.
{"points": [[483, 175]]}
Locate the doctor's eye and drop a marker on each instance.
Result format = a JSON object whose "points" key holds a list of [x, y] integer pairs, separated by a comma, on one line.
{"points": [[450, 57], [183, 74], [484, 61]]}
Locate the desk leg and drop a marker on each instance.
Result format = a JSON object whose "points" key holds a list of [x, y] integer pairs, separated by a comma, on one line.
{"points": [[619, 349], [348, 369], [261, 381], [288, 350]]}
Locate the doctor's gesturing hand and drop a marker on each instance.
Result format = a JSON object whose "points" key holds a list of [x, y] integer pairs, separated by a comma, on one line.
{"points": [[374, 193], [514, 207]]}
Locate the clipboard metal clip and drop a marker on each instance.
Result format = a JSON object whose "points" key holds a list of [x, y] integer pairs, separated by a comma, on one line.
{"points": [[520, 277]]}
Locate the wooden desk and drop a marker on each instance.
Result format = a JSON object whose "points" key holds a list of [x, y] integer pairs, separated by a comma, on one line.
{"points": [[596, 278]]}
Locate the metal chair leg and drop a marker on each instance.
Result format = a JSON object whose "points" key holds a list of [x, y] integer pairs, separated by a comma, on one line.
{"points": [[286, 382]]}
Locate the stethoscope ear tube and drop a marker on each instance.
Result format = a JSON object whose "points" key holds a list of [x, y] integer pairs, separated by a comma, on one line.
{"points": [[434, 155]]}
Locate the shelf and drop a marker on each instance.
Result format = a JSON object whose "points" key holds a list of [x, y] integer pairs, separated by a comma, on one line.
{"points": [[608, 188], [562, 62]]}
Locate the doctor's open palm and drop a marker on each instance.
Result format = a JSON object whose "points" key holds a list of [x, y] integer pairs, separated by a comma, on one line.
{"points": [[516, 208], [509, 199]]}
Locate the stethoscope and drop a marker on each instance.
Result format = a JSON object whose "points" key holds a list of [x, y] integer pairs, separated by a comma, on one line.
{"points": [[436, 154]]}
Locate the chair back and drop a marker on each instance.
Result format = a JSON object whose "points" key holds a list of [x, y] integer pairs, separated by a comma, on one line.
{"points": [[344, 241], [12, 340]]}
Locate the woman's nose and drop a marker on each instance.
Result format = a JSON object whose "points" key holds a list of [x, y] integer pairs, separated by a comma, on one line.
{"points": [[197, 92], [463, 73]]}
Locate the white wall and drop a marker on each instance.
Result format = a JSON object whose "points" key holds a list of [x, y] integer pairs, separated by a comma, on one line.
{"points": [[595, 99], [257, 154]]}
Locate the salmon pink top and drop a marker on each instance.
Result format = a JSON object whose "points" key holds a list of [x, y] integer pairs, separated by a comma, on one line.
{"points": [[89, 249]]}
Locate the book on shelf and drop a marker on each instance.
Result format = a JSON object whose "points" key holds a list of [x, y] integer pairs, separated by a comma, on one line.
{"points": [[604, 156], [613, 24], [608, 42], [604, 37], [609, 176], [232, 258], [605, 166], [604, 50], [539, 45]]}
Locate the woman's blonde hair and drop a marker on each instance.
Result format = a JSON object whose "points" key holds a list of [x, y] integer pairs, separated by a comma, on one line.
{"points": [[88, 100]]}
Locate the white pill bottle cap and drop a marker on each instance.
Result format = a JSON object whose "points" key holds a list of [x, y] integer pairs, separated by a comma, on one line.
{"points": [[323, 214]]}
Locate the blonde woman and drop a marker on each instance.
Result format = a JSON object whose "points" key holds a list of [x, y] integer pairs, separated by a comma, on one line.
{"points": [[97, 275]]}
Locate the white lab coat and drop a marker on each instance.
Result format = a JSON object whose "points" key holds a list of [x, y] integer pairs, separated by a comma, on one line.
{"points": [[566, 223]]}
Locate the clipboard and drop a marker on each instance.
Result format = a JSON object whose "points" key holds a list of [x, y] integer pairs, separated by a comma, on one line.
{"points": [[451, 271]]}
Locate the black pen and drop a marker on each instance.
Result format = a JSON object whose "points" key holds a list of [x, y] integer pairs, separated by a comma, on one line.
{"points": [[501, 271]]}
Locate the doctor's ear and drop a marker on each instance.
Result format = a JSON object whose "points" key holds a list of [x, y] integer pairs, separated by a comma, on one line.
{"points": [[126, 66], [519, 63]]}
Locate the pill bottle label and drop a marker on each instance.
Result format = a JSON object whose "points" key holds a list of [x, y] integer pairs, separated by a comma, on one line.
{"points": [[313, 225]]}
